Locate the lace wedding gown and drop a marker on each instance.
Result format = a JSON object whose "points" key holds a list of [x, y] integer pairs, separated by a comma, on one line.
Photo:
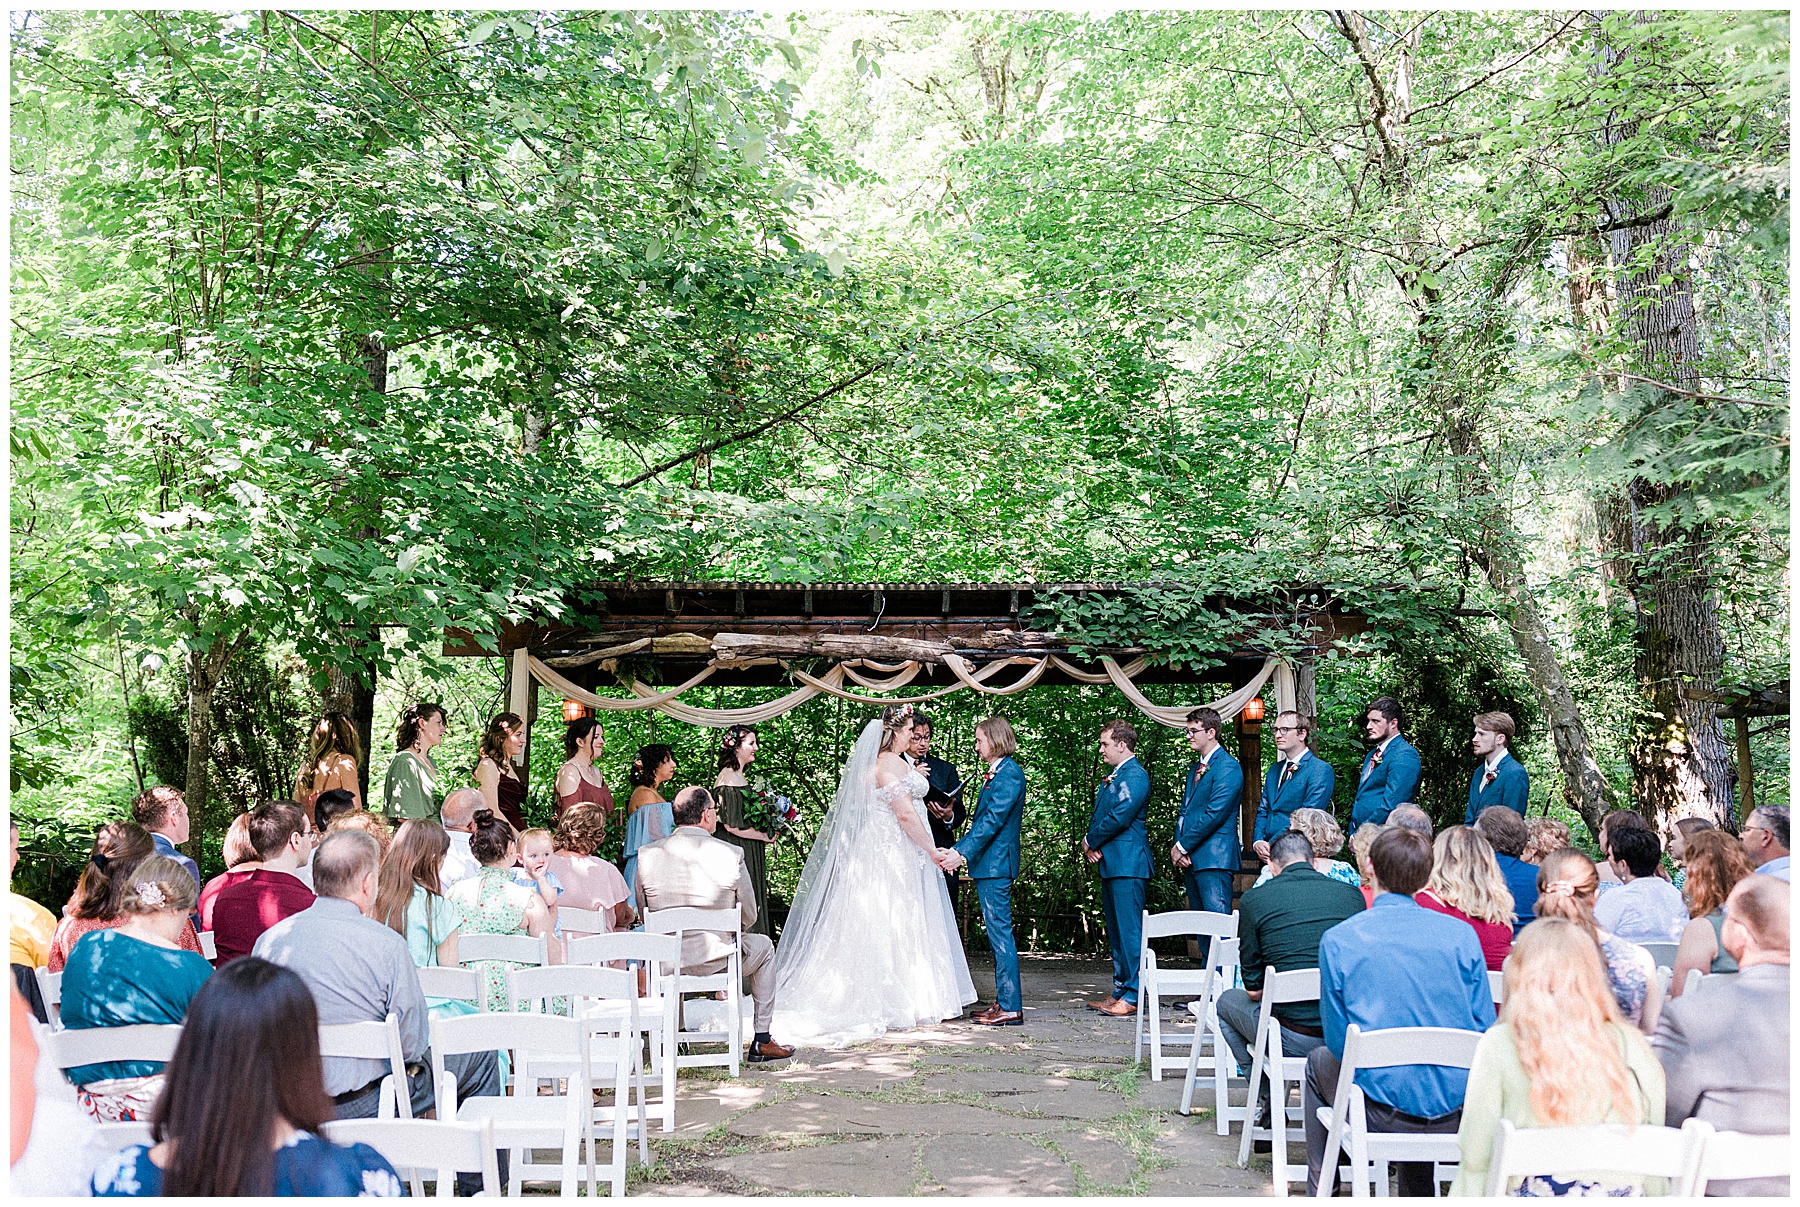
{"points": [[871, 943]]}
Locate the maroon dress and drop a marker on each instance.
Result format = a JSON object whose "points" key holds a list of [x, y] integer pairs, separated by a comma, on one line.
{"points": [[586, 794], [512, 800]]}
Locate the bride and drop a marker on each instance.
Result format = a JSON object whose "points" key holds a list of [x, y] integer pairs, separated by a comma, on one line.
{"points": [[871, 943]]}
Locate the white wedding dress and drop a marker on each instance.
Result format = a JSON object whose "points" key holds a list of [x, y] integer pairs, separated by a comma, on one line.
{"points": [[871, 943]]}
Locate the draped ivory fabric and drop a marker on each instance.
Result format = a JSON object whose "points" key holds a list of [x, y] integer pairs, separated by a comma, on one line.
{"points": [[899, 675]]}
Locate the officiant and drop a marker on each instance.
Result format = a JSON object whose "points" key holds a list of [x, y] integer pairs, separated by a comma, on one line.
{"points": [[944, 799]]}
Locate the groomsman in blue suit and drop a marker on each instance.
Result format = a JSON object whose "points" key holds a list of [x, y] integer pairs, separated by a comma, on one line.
{"points": [[1207, 851], [991, 849], [1500, 779], [1298, 779], [1390, 771], [1118, 842]]}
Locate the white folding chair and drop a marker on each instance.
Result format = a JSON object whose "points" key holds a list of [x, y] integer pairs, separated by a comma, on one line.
{"points": [[1664, 978], [1694, 977], [1156, 982], [1283, 1071], [583, 921], [71, 1048], [1653, 1152], [1347, 1117], [463, 984], [727, 923], [1497, 987], [1726, 1156], [658, 1010], [114, 1136], [374, 1041], [1663, 953], [50, 989], [427, 1144], [522, 1121], [209, 945], [605, 1001], [1208, 1038], [532, 951]]}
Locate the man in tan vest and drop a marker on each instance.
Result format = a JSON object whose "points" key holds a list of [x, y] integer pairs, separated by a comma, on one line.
{"points": [[692, 868]]}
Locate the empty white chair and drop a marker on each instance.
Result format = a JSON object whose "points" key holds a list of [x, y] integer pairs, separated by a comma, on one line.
{"points": [[532, 951], [1283, 1071], [1725, 1156], [728, 924], [445, 1148], [1347, 1119], [1497, 986], [1655, 1152], [209, 945], [50, 989], [1156, 982], [463, 984], [374, 1041], [1662, 953], [659, 1008], [527, 1120], [1223, 962]]}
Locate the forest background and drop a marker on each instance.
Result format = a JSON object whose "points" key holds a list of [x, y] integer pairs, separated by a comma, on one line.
{"points": [[332, 330]]}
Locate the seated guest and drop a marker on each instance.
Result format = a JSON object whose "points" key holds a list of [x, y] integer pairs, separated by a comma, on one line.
{"points": [[33, 926], [1280, 922], [589, 882], [163, 811], [409, 900], [248, 903], [374, 825], [1685, 828], [332, 804], [1411, 817], [1466, 883], [245, 1104], [55, 1144], [133, 973], [239, 856], [1542, 836], [1327, 840], [491, 904], [1725, 1051], [1715, 864], [1396, 965], [358, 970], [458, 819], [1567, 888], [1561, 1056], [692, 868], [119, 846], [1505, 832], [1766, 840], [1360, 842], [1610, 823], [1645, 908]]}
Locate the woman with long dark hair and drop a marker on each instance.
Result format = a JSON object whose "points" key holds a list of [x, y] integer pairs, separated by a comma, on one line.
{"points": [[119, 846], [731, 788], [579, 780], [651, 816], [243, 1103], [334, 757], [411, 788], [500, 784]]}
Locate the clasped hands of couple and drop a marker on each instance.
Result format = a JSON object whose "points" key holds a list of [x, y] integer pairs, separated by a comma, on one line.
{"points": [[948, 858]]}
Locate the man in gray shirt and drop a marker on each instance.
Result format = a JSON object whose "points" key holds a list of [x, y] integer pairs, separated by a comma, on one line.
{"points": [[360, 970]]}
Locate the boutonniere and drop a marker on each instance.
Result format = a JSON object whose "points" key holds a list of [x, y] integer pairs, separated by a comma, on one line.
{"points": [[1204, 768], [1375, 759], [1488, 779], [987, 776]]}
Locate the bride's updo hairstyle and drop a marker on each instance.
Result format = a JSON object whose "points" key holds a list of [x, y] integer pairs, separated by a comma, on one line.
{"points": [[894, 718]]}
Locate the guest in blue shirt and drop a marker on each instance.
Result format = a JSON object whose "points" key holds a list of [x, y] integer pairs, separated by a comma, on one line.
{"points": [[1396, 964], [1499, 779], [163, 811], [1507, 833], [1391, 769]]}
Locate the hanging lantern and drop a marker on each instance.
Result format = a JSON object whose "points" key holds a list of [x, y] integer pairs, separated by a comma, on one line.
{"points": [[574, 710], [1253, 711]]}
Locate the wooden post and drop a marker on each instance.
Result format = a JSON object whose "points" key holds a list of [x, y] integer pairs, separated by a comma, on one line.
{"points": [[1746, 773], [1306, 687], [1249, 754]]}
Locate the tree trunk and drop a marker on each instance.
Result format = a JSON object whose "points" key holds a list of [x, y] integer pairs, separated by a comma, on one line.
{"points": [[205, 668]]}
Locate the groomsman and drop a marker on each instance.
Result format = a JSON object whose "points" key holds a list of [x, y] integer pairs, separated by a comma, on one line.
{"points": [[1500, 779], [1206, 850], [1297, 780], [945, 805], [1390, 771], [1118, 842]]}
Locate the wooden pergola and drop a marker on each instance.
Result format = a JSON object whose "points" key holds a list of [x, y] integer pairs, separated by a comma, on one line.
{"points": [[748, 634]]}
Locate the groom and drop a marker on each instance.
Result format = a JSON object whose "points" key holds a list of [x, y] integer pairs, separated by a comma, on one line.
{"points": [[991, 849]]}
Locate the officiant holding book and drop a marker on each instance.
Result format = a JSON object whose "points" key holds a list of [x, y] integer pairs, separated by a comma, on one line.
{"points": [[944, 799]]}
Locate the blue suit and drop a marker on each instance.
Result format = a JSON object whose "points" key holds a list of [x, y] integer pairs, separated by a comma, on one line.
{"points": [[992, 848], [1117, 832], [1310, 787], [1511, 787], [1207, 829], [1386, 784]]}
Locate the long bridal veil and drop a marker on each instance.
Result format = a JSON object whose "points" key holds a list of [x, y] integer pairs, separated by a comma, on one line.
{"points": [[842, 831]]}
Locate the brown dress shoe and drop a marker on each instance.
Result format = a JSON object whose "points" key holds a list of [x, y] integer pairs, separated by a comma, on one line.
{"points": [[996, 1017], [1103, 1003], [978, 1008], [1119, 1009], [769, 1051]]}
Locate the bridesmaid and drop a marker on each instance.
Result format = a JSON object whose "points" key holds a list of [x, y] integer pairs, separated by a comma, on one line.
{"points": [[578, 781], [736, 751], [500, 784], [411, 787], [651, 816], [333, 760]]}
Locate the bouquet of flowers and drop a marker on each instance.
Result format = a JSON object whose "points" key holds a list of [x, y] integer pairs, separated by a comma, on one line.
{"points": [[765, 811]]}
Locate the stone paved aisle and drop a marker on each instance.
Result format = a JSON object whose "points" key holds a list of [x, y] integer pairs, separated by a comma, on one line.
{"points": [[1055, 1107]]}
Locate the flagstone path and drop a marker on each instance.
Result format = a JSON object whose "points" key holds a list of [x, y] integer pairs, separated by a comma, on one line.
{"points": [[1056, 1107]]}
